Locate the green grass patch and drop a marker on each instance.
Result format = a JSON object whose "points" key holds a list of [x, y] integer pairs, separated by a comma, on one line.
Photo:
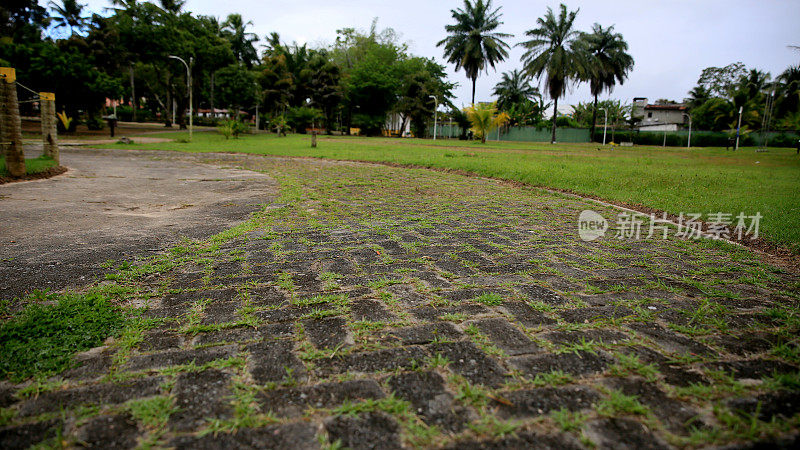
{"points": [[32, 165], [42, 339]]}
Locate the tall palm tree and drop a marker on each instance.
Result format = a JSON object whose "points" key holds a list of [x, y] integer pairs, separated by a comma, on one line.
{"points": [[234, 29], [608, 61], [551, 51], [473, 44], [513, 89], [69, 14]]}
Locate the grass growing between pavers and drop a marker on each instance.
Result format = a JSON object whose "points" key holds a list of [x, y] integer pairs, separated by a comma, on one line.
{"points": [[698, 180], [254, 309], [32, 165]]}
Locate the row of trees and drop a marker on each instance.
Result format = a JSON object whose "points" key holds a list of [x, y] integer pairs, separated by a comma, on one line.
{"points": [[555, 52], [357, 81], [714, 103]]}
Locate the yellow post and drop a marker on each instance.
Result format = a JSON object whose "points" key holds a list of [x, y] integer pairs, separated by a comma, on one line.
{"points": [[10, 124], [47, 105]]}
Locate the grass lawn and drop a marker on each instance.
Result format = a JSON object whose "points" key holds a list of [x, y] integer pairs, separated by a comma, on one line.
{"points": [[701, 180], [32, 165]]}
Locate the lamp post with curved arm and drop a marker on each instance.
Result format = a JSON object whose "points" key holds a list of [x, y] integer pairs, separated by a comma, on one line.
{"points": [[189, 85]]}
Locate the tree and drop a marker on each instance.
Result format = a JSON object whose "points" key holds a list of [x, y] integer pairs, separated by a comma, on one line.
{"points": [[172, 6], [484, 119], [697, 96], [22, 20], [236, 86], [473, 44], [421, 79], [551, 52], [69, 15], [234, 29], [608, 62], [719, 80], [513, 89], [788, 91]]}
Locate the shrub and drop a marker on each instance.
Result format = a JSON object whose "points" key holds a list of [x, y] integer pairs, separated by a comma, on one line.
{"points": [[95, 123], [233, 128]]}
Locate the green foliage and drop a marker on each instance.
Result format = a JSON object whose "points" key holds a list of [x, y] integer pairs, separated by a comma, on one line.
{"points": [[303, 117], [42, 339], [232, 128]]}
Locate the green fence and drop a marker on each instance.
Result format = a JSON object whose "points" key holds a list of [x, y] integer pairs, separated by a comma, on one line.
{"points": [[525, 134], [673, 138]]}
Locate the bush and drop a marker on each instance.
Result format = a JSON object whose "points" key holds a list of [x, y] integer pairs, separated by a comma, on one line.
{"points": [[233, 128], [206, 121], [95, 123], [125, 114]]}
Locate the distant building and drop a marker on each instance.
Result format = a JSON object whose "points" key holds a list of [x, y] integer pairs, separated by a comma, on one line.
{"points": [[658, 117]]}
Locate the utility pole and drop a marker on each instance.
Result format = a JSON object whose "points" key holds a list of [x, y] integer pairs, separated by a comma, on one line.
{"points": [[435, 108], [189, 85]]}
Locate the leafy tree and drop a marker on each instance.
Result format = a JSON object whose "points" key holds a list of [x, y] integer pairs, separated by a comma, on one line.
{"points": [[234, 29], [473, 44], [69, 15], [422, 78], [514, 88], [236, 86], [551, 52], [719, 80], [21, 21], [608, 62]]}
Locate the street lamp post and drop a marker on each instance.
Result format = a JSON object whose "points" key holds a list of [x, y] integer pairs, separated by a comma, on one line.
{"points": [[435, 108], [605, 124], [689, 141], [189, 85], [738, 126]]}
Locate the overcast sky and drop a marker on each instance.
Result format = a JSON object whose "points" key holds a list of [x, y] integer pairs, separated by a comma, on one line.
{"points": [[670, 40]]}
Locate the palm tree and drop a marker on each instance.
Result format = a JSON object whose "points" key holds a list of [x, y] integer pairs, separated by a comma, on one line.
{"points": [[608, 62], [513, 89], [472, 43], [483, 119], [551, 51], [234, 29], [69, 15], [172, 6]]}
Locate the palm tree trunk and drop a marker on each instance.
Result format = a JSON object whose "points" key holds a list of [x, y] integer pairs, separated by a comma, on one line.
{"points": [[555, 113], [133, 93], [594, 119], [474, 79]]}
